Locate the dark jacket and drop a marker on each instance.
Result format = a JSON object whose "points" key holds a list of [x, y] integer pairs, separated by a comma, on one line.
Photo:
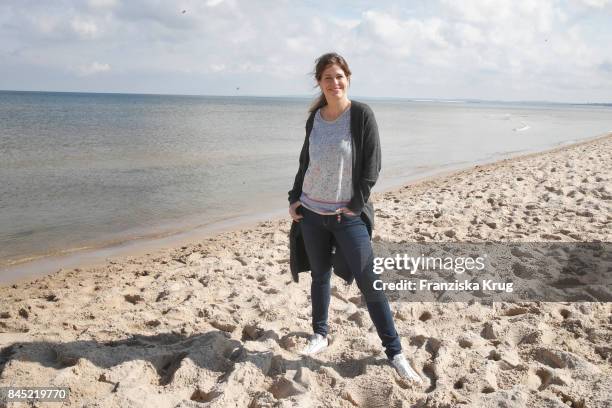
{"points": [[365, 170]]}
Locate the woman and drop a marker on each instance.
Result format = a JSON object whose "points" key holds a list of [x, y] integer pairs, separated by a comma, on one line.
{"points": [[339, 164]]}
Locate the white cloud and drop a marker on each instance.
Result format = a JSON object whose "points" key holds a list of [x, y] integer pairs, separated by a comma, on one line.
{"points": [[300, 44], [213, 3], [468, 35], [217, 67], [399, 38], [92, 68], [479, 11], [597, 3], [102, 4], [85, 29], [345, 23], [45, 24]]}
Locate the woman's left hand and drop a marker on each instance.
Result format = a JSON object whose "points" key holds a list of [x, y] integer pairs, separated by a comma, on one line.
{"points": [[346, 211]]}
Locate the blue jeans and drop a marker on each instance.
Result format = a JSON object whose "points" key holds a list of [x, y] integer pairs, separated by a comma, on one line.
{"points": [[351, 235]]}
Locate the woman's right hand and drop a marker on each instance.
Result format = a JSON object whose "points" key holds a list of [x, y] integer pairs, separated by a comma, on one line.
{"points": [[293, 211]]}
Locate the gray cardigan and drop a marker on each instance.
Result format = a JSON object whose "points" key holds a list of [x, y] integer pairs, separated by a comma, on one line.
{"points": [[366, 166], [366, 157]]}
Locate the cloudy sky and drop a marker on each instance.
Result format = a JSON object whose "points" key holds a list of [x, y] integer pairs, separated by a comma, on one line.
{"points": [[485, 49]]}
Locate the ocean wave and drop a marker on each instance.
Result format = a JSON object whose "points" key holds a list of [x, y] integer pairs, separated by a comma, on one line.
{"points": [[522, 128]]}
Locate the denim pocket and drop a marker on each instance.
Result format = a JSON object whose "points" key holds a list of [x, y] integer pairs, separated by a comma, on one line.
{"points": [[305, 212], [351, 217]]}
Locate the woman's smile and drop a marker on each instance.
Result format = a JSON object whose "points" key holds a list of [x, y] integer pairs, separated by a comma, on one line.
{"points": [[333, 81]]}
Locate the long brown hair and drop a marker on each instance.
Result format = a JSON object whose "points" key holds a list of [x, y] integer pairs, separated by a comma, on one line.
{"points": [[321, 65]]}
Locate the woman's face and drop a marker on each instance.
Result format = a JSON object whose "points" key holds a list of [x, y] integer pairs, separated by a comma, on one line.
{"points": [[333, 83]]}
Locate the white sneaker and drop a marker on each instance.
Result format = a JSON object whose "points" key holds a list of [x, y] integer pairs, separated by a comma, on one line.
{"points": [[316, 343], [403, 368]]}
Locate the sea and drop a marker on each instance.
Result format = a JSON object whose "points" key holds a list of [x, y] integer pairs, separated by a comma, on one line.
{"points": [[83, 172]]}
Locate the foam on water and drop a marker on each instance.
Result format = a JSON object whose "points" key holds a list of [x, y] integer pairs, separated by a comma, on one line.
{"points": [[522, 128]]}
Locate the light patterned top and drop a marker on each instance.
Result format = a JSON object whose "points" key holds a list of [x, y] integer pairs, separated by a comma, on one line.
{"points": [[328, 183]]}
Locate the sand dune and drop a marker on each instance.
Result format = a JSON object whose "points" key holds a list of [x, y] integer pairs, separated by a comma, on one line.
{"points": [[218, 323]]}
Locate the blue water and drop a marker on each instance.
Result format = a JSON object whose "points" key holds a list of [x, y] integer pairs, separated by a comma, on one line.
{"points": [[85, 170]]}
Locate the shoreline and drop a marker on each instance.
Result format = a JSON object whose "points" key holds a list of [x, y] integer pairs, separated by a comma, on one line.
{"points": [[42, 265]]}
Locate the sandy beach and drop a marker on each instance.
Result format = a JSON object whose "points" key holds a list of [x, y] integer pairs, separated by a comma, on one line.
{"points": [[218, 323]]}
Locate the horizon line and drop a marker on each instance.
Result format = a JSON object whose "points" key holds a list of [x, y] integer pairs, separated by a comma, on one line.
{"points": [[304, 96]]}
